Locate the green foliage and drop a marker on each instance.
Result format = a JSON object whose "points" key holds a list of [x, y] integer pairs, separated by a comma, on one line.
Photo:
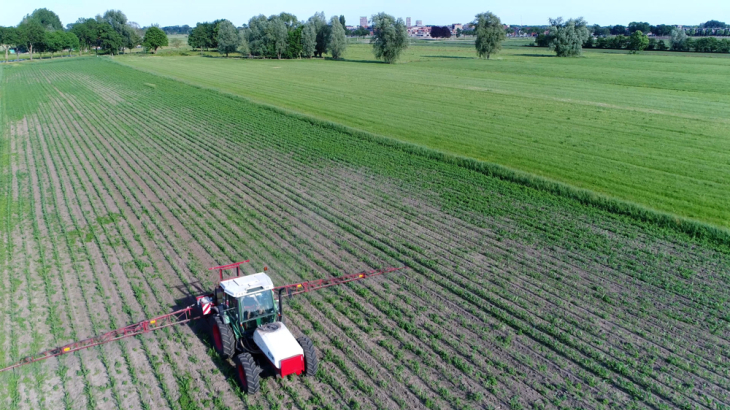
{"points": [[337, 39], [71, 42], [390, 37], [319, 22], [197, 37], [635, 26], [228, 39], [567, 37], [490, 34], [638, 41], [243, 47], [54, 41], [8, 38], [154, 38], [713, 24], [46, 18], [277, 35], [86, 30], [108, 38], [309, 40], [258, 40], [131, 38], [32, 34], [294, 42], [204, 35], [679, 40]]}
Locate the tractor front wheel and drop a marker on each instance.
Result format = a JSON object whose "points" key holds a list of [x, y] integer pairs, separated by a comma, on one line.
{"points": [[310, 356], [224, 340], [248, 372]]}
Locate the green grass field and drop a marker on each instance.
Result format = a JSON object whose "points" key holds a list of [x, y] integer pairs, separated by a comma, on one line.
{"points": [[650, 129]]}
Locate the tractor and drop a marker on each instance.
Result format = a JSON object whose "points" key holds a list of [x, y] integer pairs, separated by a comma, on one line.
{"points": [[247, 325]]}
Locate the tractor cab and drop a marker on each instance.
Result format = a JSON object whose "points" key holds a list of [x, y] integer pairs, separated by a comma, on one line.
{"points": [[247, 301]]}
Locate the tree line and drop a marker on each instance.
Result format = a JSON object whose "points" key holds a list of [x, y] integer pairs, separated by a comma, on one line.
{"points": [[570, 37], [709, 28], [284, 36], [42, 31], [277, 36]]}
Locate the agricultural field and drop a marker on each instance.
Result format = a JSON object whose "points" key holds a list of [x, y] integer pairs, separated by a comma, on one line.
{"points": [[119, 188], [650, 129]]}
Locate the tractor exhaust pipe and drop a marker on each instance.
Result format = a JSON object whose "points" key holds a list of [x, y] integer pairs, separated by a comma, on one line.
{"points": [[281, 309]]}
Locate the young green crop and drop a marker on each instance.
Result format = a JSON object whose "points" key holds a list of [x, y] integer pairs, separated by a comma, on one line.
{"points": [[514, 297]]}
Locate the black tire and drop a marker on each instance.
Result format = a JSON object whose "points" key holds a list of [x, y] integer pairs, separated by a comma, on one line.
{"points": [[224, 341], [248, 373], [310, 356]]}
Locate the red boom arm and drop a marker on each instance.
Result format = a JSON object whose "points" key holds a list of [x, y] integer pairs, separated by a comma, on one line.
{"points": [[302, 287], [174, 318]]}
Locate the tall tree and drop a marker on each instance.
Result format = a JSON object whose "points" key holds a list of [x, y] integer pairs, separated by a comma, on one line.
{"points": [[32, 34], [108, 38], [662, 30], [8, 38], [154, 38], [323, 32], [713, 24], [54, 41], [390, 37], [567, 37], [338, 39], [71, 42], [618, 29], [227, 38], [46, 18], [131, 38], [679, 40], [294, 42], [277, 35], [118, 20], [490, 34], [289, 20], [309, 40], [87, 31], [438, 31], [342, 21], [258, 41], [243, 43], [638, 42], [635, 26], [197, 38]]}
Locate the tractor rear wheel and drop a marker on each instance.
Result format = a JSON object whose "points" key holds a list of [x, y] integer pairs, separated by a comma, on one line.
{"points": [[224, 340], [310, 356], [248, 373]]}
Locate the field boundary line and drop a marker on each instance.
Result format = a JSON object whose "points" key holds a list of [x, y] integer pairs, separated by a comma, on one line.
{"points": [[698, 230]]}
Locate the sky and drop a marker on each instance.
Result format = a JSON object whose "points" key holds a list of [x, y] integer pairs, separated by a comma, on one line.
{"points": [[431, 12]]}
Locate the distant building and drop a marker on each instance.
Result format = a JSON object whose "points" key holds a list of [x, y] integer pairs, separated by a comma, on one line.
{"points": [[419, 23], [421, 31], [363, 22], [456, 26], [408, 22]]}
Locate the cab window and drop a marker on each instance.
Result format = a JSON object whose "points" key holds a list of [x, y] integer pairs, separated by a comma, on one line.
{"points": [[231, 301]]}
